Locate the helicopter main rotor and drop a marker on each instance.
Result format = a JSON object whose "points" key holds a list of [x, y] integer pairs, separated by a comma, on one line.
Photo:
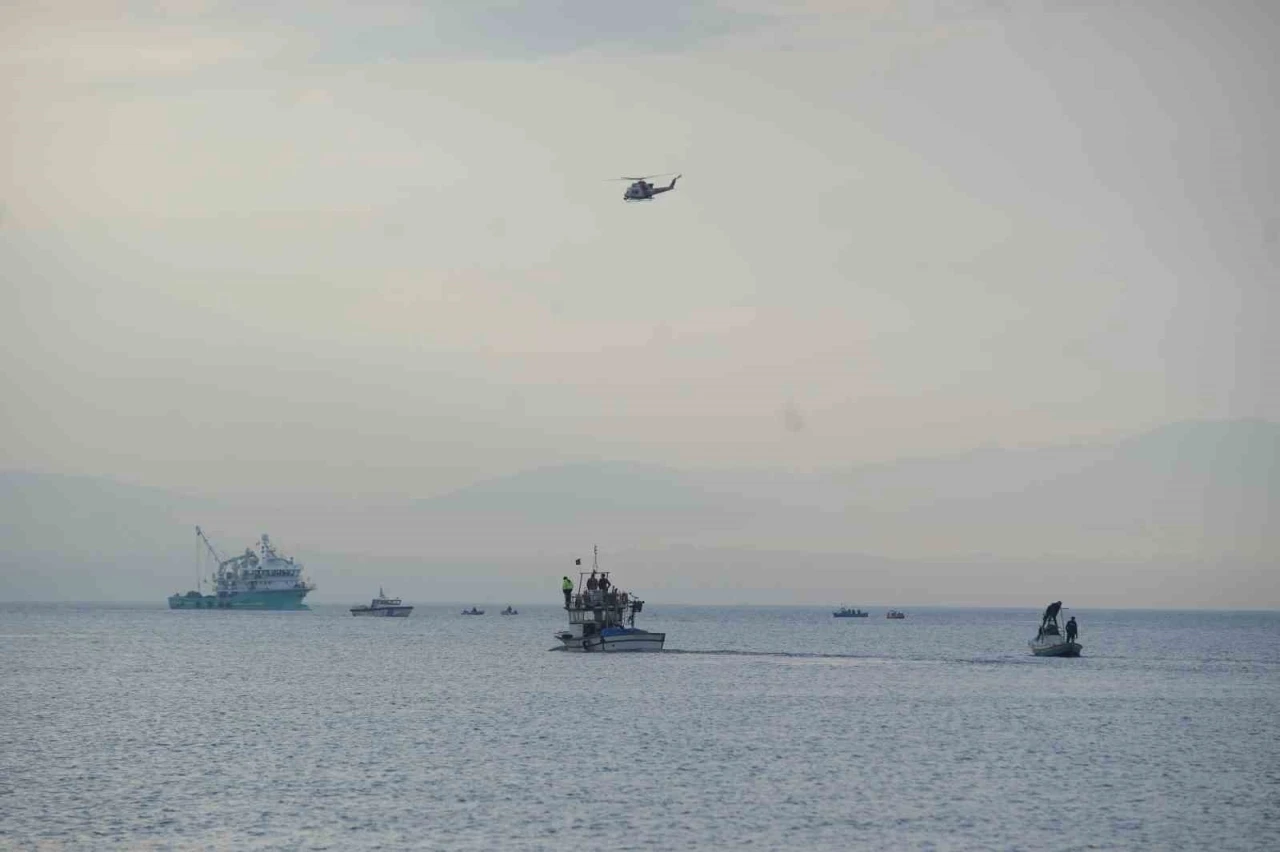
{"points": [[643, 177]]}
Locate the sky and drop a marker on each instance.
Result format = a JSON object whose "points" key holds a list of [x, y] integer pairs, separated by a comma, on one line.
{"points": [[374, 248]]}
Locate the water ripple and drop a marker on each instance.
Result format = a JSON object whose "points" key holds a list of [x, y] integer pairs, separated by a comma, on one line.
{"points": [[140, 728]]}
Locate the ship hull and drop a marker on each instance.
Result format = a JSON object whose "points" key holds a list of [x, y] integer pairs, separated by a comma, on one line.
{"points": [[282, 600], [382, 611], [1055, 648], [631, 640]]}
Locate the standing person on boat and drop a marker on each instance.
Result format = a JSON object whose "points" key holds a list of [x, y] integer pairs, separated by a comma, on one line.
{"points": [[1071, 629], [566, 586], [592, 582], [604, 585]]}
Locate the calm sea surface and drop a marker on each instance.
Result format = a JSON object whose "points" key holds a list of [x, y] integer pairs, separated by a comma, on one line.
{"points": [[142, 728]]}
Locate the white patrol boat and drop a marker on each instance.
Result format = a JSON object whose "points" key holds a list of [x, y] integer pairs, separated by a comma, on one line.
{"points": [[383, 606], [603, 618]]}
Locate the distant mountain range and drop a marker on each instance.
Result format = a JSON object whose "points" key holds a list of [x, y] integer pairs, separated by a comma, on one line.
{"points": [[1181, 516]]}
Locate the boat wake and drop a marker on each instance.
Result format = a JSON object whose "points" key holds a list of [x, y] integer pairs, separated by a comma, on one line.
{"points": [[866, 658], [796, 655]]}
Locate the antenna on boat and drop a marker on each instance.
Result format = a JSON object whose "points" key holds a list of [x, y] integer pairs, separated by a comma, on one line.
{"points": [[199, 582], [595, 558]]}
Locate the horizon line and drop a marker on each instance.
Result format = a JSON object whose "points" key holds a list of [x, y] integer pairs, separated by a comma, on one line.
{"points": [[161, 604]]}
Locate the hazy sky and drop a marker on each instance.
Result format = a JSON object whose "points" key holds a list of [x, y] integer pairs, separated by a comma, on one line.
{"points": [[370, 247]]}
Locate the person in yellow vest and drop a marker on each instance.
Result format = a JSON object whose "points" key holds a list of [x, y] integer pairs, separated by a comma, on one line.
{"points": [[566, 585]]}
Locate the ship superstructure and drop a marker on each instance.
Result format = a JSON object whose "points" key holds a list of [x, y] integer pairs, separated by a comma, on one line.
{"points": [[253, 580], [1049, 641]]}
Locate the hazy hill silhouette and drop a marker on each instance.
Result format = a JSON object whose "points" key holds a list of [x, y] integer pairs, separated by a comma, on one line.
{"points": [[1176, 516]]}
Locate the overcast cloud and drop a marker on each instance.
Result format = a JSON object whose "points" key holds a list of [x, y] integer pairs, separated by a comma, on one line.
{"points": [[310, 246]]}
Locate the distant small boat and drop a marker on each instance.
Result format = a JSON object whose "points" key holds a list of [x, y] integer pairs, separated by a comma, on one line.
{"points": [[473, 611], [1049, 641], [895, 613], [845, 612], [510, 611], [384, 606]]}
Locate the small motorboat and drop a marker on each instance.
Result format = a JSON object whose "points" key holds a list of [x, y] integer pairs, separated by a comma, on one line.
{"points": [[846, 612], [510, 611], [895, 613], [473, 611], [1049, 641]]}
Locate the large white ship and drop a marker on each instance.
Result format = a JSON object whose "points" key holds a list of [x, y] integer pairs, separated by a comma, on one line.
{"points": [[261, 580]]}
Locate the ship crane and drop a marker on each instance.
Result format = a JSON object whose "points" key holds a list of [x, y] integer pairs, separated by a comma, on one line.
{"points": [[217, 558], [224, 567]]}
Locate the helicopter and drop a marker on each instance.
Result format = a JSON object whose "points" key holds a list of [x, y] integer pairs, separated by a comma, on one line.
{"points": [[642, 190]]}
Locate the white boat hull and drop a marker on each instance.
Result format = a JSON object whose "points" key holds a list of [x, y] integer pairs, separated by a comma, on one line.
{"points": [[1054, 647], [383, 612], [629, 640]]}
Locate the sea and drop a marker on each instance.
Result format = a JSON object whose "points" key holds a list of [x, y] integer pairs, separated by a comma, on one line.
{"points": [[137, 727]]}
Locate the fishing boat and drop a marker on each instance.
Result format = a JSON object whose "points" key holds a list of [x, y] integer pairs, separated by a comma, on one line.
{"points": [[261, 580], [603, 618], [895, 614], [1049, 641], [383, 606], [846, 612], [510, 611], [473, 611]]}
